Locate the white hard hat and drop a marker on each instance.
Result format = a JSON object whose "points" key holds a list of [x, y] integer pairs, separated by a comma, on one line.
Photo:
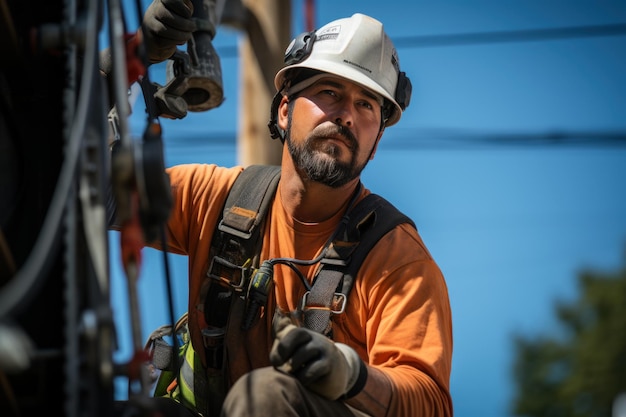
{"points": [[356, 48]]}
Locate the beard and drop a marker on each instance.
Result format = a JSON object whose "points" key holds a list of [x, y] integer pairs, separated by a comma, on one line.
{"points": [[317, 158]]}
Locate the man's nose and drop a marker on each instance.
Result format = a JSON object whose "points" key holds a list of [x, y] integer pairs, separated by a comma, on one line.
{"points": [[344, 114]]}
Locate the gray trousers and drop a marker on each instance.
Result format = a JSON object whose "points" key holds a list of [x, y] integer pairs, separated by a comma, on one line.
{"points": [[266, 392]]}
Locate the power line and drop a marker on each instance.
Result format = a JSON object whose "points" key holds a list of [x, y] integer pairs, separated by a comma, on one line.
{"points": [[511, 36], [449, 139], [474, 38], [444, 139]]}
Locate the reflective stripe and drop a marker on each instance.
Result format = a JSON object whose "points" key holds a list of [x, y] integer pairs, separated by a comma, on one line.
{"points": [[187, 377]]}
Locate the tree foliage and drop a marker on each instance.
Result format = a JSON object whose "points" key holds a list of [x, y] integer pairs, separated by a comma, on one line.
{"points": [[581, 370]]}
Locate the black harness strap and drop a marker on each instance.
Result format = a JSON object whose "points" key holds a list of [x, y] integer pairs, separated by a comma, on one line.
{"points": [[236, 239], [234, 252], [362, 228], [249, 200]]}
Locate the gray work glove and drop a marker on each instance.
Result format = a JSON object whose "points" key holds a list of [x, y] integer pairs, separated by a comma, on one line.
{"points": [[166, 24], [330, 369]]}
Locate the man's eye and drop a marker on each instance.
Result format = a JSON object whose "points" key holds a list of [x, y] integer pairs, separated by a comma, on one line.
{"points": [[367, 105]]}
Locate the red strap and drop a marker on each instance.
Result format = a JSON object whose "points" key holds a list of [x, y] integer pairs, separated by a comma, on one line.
{"points": [[139, 360], [131, 239], [134, 65]]}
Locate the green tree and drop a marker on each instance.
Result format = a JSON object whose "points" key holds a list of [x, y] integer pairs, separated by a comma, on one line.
{"points": [[581, 370]]}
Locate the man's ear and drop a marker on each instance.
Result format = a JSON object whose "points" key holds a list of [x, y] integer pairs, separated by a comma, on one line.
{"points": [[283, 113]]}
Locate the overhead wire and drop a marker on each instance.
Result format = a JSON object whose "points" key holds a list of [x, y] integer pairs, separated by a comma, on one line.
{"points": [[408, 138], [487, 37], [401, 138], [524, 35]]}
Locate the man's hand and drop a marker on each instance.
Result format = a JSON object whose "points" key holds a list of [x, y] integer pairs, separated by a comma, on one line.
{"points": [[166, 23], [323, 366]]}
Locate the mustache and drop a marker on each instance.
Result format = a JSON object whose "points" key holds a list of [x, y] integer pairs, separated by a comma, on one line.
{"points": [[333, 129]]}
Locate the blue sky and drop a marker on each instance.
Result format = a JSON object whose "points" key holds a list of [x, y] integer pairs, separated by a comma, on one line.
{"points": [[511, 222]]}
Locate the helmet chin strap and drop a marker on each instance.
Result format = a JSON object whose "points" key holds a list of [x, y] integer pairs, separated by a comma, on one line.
{"points": [[275, 131], [293, 84], [380, 136]]}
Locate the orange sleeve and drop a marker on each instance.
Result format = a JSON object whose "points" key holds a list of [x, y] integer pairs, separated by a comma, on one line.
{"points": [[404, 312], [199, 192]]}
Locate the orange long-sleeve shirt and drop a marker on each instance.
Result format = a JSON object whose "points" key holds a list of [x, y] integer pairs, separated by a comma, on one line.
{"points": [[397, 317]]}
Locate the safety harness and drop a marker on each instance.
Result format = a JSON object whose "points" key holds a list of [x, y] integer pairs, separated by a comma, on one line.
{"points": [[234, 267]]}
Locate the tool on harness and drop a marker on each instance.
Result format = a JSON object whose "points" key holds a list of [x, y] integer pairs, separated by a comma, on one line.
{"points": [[257, 295]]}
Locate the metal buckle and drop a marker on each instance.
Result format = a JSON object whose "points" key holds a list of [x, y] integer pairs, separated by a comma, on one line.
{"points": [[228, 274], [213, 336], [337, 306]]}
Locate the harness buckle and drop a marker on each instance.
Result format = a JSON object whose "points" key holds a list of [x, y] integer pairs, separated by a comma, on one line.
{"points": [[337, 306], [213, 338], [228, 274]]}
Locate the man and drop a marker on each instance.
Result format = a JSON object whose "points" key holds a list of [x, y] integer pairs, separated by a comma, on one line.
{"points": [[389, 353]]}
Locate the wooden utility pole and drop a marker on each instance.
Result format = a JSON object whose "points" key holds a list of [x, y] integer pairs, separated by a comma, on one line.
{"points": [[268, 29]]}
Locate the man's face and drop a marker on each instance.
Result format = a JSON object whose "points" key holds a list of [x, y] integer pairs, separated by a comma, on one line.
{"points": [[332, 130]]}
